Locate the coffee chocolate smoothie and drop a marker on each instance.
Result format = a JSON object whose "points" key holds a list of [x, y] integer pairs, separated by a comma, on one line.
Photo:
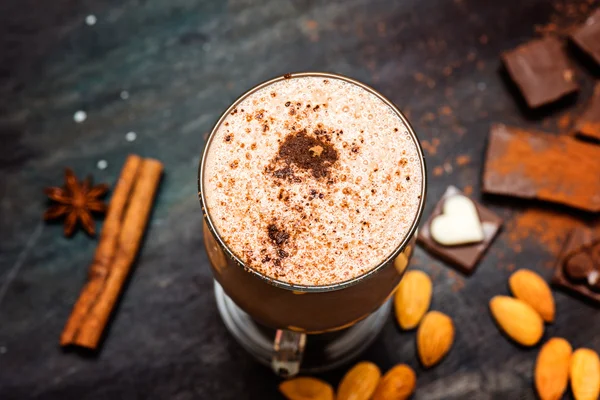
{"points": [[312, 181]]}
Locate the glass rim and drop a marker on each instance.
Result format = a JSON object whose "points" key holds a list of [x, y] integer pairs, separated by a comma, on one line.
{"points": [[308, 288]]}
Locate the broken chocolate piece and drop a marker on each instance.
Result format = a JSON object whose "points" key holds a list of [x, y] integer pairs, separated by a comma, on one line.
{"points": [[578, 267], [541, 70], [588, 124], [464, 257], [587, 36], [531, 164]]}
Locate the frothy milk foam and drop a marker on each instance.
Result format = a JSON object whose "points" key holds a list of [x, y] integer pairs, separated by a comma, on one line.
{"points": [[312, 180]]}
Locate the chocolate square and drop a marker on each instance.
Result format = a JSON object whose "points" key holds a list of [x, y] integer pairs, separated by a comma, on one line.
{"points": [[541, 70], [579, 259], [463, 257], [530, 164], [588, 124], [587, 36]]}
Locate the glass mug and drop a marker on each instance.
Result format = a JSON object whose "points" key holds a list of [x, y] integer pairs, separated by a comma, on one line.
{"points": [[296, 310]]}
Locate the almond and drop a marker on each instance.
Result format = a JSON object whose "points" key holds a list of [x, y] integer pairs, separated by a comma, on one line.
{"points": [[552, 369], [585, 374], [434, 338], [517, 319], [530, 287], [360, 382], [412, 298], [306, 388], [397, 384]]}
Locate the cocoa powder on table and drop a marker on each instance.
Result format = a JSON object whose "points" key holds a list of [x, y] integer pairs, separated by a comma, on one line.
{"points": [[548, 228]]}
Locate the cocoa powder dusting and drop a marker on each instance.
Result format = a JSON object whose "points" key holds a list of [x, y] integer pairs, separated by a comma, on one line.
{"points": [[299, 149], [564, 122], [547, 228], [277, 235], [462, 160]]}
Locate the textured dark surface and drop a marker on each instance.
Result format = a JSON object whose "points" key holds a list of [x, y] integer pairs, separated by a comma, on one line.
{"points": [[182, 63]]}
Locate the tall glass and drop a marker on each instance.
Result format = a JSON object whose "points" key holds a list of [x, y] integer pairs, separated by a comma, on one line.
{"points": [[297, 310]]}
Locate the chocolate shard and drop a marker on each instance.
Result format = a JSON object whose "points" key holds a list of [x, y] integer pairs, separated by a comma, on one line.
{"points": [[588, 124], [587, 36], [541, 70], [547, 167], [464, 257], [577, 269]]}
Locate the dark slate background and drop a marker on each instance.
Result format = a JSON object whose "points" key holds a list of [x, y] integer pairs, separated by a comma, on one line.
{"points": [[183, 62]]}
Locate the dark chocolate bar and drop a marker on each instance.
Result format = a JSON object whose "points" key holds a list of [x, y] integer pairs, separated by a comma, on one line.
{"points": [[553, 168], [587, 36], [541, 70]]}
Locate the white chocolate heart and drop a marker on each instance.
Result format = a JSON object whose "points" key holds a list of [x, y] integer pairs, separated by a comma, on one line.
{"points": [[458, 224]]}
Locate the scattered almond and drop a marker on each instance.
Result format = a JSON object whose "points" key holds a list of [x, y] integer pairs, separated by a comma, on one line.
{"points": [[530, 287], [434, 337], [552, 369], [306, 388], [585, 374], [412, 298], [360, 382], [397, 384], [517, 319]]}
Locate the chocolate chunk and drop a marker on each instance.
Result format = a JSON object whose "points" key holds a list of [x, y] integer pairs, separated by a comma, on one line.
{"points": [[587, 36], [578, 267], [541, 70], [308, 153], [464, 257], [588, 124], [538, 165]]}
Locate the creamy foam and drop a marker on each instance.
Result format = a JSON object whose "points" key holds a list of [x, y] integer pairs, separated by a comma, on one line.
{"points": [[312, 180]]}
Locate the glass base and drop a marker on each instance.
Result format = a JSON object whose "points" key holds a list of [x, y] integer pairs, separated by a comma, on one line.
{"points": [[322, 352]]}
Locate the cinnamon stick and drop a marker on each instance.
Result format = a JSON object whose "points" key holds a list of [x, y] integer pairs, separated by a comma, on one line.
{"points": [[119, 243]]}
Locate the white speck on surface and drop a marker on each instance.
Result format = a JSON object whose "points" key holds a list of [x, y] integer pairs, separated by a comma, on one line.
{"points": [[80, 116], [448, 168], [2, 350], [91, 20], [481, 86], [593, 277], [102, 164], [130, 136], [124, 94]]}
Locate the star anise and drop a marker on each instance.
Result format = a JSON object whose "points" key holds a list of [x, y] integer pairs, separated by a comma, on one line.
{"points": [[77, 200]]}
